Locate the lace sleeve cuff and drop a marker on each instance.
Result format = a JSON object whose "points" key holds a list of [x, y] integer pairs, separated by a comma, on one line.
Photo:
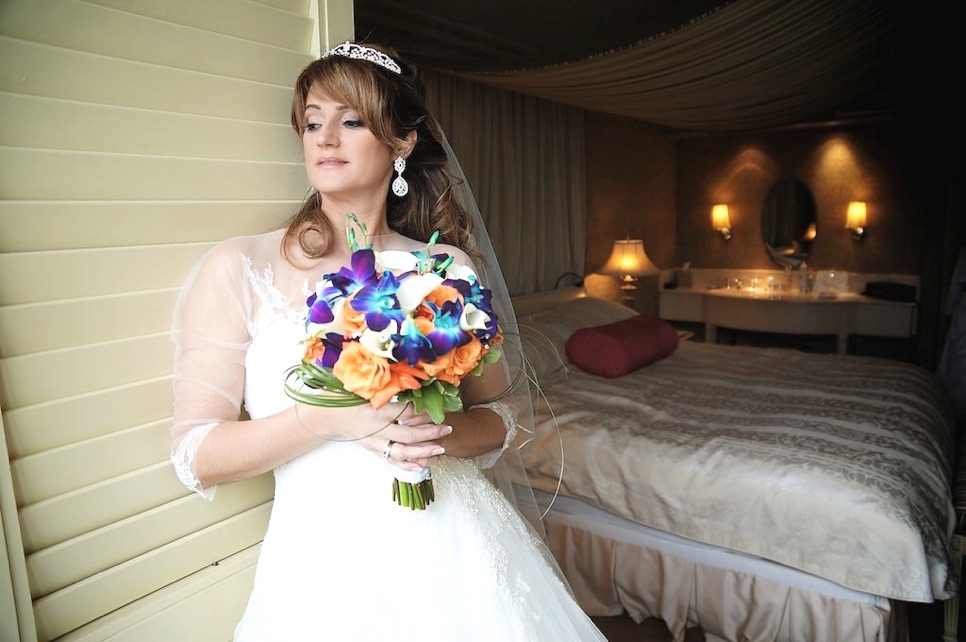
{"points": [[508, 415], [183, 459]]}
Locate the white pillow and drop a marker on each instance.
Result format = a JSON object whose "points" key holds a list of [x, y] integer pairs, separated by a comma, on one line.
{"points": [[584, 312], [557, 324]]}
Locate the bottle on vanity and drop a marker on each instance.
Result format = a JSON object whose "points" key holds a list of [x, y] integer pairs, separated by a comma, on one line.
{"points": [[803, 283]]}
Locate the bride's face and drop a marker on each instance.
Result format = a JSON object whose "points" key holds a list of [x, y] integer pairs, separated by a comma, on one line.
{"points": [[343, 159]]}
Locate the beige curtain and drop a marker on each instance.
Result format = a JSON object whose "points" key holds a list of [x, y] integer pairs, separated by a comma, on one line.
{"points": [[750, 64], [524, 159]]}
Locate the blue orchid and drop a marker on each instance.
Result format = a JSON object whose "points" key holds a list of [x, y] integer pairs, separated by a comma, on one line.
{"points": [[447, 333], [321, 305], [411, 345], [361, 274], [333, 349], [379, 303]]}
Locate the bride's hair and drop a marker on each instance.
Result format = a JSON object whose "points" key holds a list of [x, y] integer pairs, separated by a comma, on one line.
{"points": [[391, 105]]}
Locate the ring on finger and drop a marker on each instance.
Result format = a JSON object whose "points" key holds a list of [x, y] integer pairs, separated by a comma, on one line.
{"points": [[387, 451]]}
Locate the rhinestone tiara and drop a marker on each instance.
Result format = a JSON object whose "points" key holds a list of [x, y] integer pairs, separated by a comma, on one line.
{"points": [[361, 52]]}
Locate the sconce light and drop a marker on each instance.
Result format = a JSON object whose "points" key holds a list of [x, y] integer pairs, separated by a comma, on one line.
{"points": [[721, 221], [628, 260], [856, 220]]}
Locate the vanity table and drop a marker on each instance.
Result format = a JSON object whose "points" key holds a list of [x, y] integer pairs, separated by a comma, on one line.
{"points": [[829, 302], [841, 315]]}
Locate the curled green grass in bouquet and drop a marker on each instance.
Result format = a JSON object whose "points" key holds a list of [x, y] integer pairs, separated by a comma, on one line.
{"points": [[396, 326]]}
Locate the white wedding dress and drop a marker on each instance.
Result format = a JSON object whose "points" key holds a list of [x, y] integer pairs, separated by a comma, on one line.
{"points": [[342, 562]]}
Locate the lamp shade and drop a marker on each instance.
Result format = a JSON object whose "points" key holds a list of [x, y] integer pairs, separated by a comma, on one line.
{"points": [[628, 258], [719, 217], [856, 216]]}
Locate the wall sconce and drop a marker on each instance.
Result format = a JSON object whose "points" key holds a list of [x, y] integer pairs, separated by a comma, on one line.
{"points": [[856, 219], [628, 261], [721, 221]]}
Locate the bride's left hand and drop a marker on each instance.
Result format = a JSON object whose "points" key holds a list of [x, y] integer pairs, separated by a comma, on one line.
{"points": [[416, 441]]}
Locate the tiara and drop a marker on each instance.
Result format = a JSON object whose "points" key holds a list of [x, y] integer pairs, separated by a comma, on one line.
{"points": [[361, 52]]}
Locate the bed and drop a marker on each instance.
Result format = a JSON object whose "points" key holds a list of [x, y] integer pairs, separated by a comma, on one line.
{"points": [[756, 493]]}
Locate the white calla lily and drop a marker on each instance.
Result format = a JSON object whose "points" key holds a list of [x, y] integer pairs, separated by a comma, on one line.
{"points": [[473, 318], [396, 261], [414, 289], [460, 271], [379, 343]]}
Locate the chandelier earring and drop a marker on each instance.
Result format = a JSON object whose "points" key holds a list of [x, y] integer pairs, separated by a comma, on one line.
{"points": [[399, 185]]}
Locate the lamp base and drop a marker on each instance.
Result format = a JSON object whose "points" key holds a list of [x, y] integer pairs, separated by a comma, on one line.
{"points": [[628, 290]]}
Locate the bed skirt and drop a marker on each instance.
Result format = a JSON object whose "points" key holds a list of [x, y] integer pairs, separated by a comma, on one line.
{"points": [[615, 565]]}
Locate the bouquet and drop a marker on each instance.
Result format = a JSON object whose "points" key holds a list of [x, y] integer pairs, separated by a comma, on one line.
{"points": [[395, 326]]}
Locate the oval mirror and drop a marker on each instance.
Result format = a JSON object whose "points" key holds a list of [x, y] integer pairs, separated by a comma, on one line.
{"points": [[788, 222]]}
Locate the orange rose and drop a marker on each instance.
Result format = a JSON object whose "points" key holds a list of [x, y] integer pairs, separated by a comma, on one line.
{"points": [[424, 320], [353, 320], [462, 360], [314, 349], [442, 362], [442, 294], [361, 372], [402, 377]]}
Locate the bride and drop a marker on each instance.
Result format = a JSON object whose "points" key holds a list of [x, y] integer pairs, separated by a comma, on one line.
{"points": [[342, 560]]}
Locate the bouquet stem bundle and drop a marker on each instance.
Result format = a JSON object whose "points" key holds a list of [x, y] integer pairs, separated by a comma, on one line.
{"points": [[416, 496]]}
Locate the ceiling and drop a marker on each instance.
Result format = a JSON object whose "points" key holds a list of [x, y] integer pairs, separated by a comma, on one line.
{"points": [[511, 35], [495, 35]]}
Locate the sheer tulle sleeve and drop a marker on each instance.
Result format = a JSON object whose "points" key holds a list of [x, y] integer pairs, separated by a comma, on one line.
{"points": [[509, 417], [211, 333]]}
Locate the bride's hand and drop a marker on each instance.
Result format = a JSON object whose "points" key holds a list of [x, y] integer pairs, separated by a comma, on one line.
{"points": [[415, 438], [412, 442]]}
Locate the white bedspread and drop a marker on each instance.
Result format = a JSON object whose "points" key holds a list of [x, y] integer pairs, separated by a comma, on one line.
{"points": [[836, 465]]}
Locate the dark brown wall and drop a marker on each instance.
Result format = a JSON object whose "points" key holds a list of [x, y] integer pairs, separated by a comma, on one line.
{"points": [[631, 189], [645, 184], [866, 163]]}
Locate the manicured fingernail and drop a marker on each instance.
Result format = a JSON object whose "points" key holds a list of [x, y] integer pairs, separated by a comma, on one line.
{"points": [[449, 429], [439, 451]]}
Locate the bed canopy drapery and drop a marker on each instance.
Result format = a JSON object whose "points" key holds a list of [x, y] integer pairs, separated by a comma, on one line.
{"points": [[748, 64]]}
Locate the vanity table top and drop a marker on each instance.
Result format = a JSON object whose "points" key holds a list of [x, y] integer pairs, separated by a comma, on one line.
{"points": [[780, 295], [783, 311], [790, 296]]}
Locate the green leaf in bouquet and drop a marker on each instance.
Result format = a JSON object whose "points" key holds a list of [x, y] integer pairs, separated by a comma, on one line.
{"points": [[427, 399], [435, 398], [492, 356]]}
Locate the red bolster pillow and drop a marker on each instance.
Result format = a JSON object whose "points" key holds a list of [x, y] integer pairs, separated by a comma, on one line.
{"points": [[614, 349]]}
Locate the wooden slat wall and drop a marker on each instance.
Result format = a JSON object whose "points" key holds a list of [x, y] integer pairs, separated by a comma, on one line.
{"points": [[134, 135]]}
